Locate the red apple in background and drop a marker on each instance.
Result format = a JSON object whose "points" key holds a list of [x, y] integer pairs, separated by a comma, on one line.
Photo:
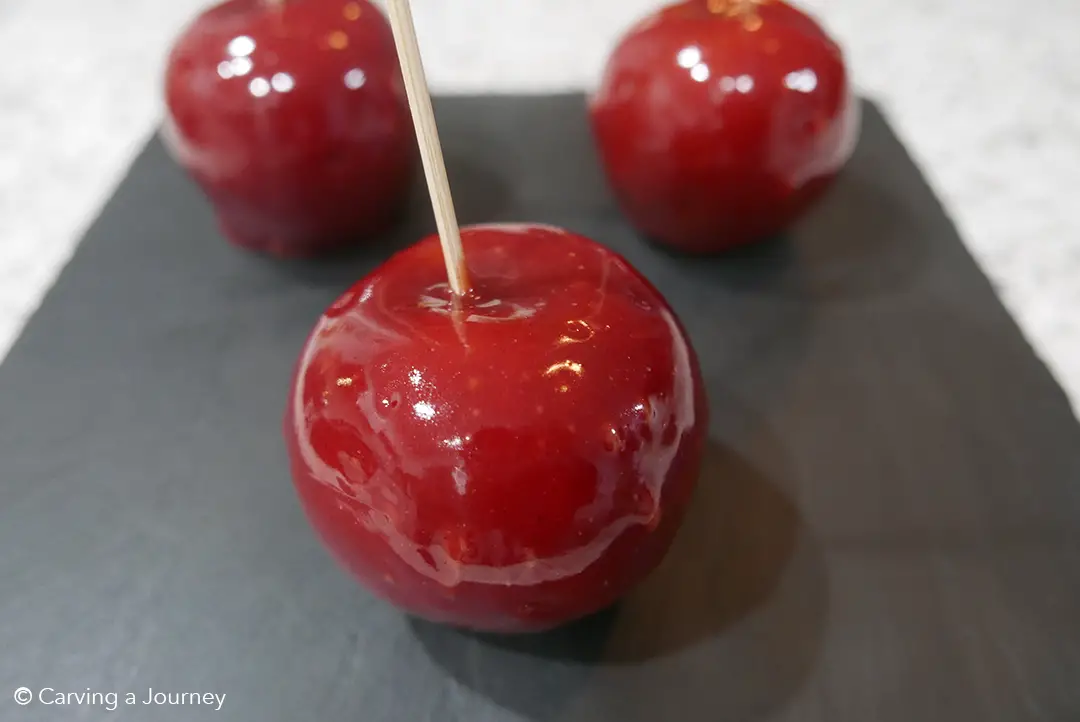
{"points": [[510, 461], [293, 118], [718, 122]]}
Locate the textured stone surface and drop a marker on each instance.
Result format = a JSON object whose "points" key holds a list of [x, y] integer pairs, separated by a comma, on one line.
{"points": [[985, 95]]}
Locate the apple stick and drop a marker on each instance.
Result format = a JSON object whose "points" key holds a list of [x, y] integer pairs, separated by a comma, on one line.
{"points": [[427, 136]]}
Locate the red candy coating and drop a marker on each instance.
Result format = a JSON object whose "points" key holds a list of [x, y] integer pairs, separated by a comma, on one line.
{"points": [[512, 463], [719, 122], [293, 120]]}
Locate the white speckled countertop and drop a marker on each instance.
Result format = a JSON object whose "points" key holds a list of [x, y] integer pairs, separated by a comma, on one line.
{"points": [[986, 96]]}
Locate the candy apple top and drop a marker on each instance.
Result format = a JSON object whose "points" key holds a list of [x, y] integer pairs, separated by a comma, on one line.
{"points": [[505, 439], [294, 84], [725, 107], [776, 78]]}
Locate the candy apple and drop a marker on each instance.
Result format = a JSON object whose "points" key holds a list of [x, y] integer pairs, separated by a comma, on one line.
{"points": [[293, 118], [718, 122], [508, 461]]}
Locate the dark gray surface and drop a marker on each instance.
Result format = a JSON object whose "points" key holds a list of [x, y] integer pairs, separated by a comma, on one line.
{"points": [[888, 527]]}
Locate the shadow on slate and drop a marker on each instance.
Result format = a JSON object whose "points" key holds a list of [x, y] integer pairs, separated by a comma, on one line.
{"points": [[887, 527], [744, 588]]}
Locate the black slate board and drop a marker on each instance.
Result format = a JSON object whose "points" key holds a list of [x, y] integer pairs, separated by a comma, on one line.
{"points": [[888, 527]]}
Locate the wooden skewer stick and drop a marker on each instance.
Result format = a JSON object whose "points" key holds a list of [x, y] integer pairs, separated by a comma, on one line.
{"points": [[427, 136]]}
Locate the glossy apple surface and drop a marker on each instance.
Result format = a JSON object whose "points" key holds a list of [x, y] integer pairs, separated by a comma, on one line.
{"points": [[510, 464], [718, 122], [294, 120]]}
